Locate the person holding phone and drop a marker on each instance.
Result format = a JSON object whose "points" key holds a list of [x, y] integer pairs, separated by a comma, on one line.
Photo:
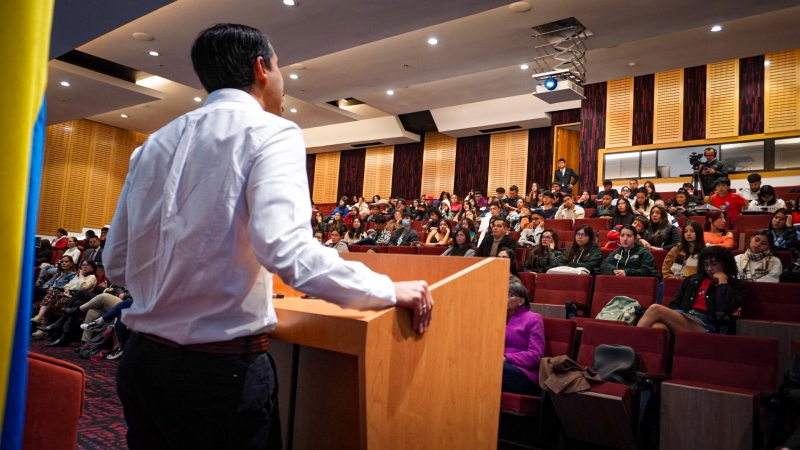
{"points": [[714, 288]]}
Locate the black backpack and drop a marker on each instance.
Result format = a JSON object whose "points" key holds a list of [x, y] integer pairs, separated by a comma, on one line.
{"points": [[791, 274], [100, 345]]}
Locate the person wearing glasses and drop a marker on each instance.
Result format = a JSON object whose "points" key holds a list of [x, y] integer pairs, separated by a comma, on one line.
{"points": [[711, 170], [65, 272], [584, 251], [546, 255], [524, 345], [85, 280], [497, 239]]}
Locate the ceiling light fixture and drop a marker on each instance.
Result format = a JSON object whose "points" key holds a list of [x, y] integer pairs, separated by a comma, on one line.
{"points": [[390, 92], [293, 110], [716, 28], [524, 67], [152, 53], [289, 2], [65, 84], [766, 63], [293, 76], [198, 99], [124, 116], [433, 41]]}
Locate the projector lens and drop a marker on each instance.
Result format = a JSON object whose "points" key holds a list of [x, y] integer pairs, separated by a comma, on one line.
{"points": [[550, 84]]}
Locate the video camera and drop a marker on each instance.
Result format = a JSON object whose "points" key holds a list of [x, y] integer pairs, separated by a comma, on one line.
{"points": [[694, 160]]}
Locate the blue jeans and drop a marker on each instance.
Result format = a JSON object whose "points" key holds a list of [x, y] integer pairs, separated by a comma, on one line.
{"points": [[515, 380], [120, 329], [51, 270], [367, 241]]}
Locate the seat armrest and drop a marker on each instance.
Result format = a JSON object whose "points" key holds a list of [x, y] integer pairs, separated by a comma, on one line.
{"points": [[649, 380], [572, 309], [768, 400]]}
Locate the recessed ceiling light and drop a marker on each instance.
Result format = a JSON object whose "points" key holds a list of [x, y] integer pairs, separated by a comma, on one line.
{"points": [[631, 63], [390, 92], [65, 84], [124, 116], [524, 67], [152, 53], [198, 99], [289, 2], [293, 110], [766, 63], [716, 28], [293, 76], [433, 41]]}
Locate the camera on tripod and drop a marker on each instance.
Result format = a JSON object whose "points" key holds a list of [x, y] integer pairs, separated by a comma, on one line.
{"points": [[694, 160]]}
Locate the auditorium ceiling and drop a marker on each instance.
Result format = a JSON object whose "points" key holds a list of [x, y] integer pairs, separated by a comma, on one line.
{"points": [[361, 49]]}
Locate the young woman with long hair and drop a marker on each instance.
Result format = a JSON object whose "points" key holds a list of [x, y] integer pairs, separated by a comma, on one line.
{"points": [[623, 214], [439, 235], [681, 261], [784, 236], [356, 233], [767, 201], [758, 262], [545, 255], [716, 232], [461, 244], [584, 251], [660, 233]]}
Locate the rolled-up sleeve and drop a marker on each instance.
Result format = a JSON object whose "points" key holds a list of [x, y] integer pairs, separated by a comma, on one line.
{"points": [[281, 236]]}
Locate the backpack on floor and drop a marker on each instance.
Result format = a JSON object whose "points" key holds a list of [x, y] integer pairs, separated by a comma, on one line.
{"points": [[620, 309], [100, 345]]}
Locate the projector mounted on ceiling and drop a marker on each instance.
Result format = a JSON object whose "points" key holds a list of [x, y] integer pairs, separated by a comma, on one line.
{"points": [[562, 91], [559, 65]]}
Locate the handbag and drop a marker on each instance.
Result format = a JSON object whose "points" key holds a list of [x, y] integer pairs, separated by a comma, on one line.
{"points": [[569, 270], [617, 364]]}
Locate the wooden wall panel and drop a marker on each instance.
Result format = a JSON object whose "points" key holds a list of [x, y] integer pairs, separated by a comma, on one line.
{"points": [[782, 91], [84, 169], [508, 160], [326, 177], [438, 164], [619, 113], [722, 99], [378, 168], [668, 107]]}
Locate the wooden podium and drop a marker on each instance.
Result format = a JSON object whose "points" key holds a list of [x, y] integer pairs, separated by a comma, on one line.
{"points": [[353, 379]]}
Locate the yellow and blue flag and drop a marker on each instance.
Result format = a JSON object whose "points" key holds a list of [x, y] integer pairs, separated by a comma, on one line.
{"points": [[24, 47]]}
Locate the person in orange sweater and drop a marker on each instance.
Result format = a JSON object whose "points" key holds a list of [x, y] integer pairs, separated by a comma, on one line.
{"points": [[724, 199], [716, 232]]}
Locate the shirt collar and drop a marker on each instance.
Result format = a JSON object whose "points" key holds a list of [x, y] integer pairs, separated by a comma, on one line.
{"points": [[232, 95]]}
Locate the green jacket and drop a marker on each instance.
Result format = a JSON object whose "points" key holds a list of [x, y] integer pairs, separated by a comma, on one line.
{"points": [[592, 262], [636, 262]]}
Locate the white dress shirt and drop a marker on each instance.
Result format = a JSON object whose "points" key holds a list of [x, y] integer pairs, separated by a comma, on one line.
{"points": [[213, 204]]}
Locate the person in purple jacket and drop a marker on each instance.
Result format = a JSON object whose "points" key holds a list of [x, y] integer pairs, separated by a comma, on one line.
{"points": [[524, 342]]}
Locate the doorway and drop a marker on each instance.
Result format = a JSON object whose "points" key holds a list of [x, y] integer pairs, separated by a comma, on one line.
{"points": [[566, 144]]}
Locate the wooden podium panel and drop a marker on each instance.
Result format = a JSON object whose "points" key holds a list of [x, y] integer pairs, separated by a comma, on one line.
{"points": [[353, 379]]}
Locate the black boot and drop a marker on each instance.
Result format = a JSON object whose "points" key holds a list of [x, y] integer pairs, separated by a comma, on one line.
{"points": [[72, 311], [55, 325], [62, 341]]}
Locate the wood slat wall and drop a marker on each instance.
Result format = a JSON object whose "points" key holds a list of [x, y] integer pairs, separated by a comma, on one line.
{"points": [[619, 113], [722, 99], [84, 169], [781, 91], [326, 177], [668, 107], [438, 164], [378, 167], [508, 160]]}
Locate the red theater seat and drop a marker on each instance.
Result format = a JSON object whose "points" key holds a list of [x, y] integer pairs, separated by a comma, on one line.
{"points": [[772, 301], [681, 221], [752, 221], [560, 224], [403, 250], [557, 289], [659, 256], [354, 248], [642, 289], [671, 287], [56, 256], [529, 281], [432, 250], [596, 224]]}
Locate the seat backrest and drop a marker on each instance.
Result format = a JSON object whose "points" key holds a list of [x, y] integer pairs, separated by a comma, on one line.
{"points": [[514, 235], [521, 254], [606, 252], [659, 256], [650, 343], [529, 281], [432, 250], [404, 250], [681, 221], [56, 255], [752, 221], [786, 258], [565, 238], [417, 225], [559, 337], [771, 301], [671, 287], [557, 289], [587, 212], [596, 224], [735, 361], [560, 224], [606, 287], [354, 248]]}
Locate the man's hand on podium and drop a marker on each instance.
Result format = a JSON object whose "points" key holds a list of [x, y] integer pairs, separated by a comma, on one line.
{"points": [[415, 296]]}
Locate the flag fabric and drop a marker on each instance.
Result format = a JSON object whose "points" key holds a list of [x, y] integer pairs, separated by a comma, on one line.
{"points": [[24, 48]]}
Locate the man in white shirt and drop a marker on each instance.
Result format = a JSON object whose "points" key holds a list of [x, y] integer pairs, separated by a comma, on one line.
{"points": [[750, 193], [569, 210], [196, 239], [483, 229]]}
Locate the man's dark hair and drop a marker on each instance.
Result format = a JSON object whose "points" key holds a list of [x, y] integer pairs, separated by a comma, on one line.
{"points": [[513, 188], [712, 149], [104, 229], [608, 194], [495, 203], [502, 219], [375, 206], [562, 160], [689, 185], [434, 210], [380, 219], [607, 182], [538, 212], [501, 190], [477, 191], [406, 215], [401, 201], [223, 56], [547, 194], [753, 178], [722, 181]]}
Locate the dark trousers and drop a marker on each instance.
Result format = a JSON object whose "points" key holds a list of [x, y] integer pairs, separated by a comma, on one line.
{"points": [[515, 381], [178, 399]]}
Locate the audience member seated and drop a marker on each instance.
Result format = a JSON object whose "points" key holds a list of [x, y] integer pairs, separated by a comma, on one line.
{"points": [[420, 213], [663, 205], [724, 199], [396, 222], [120, 329], [547, 208], [555, 188], [336, 241], [477, 195], [336, 222], [758, 262], [445, 212], [640, 224], [532, 199], [586, 200], [660, 234], [404, 235], [93, 253], [690, 195], [766, 200], [625, 193], [714, 288], [546, 255], [633, 186], [468, 224], [320, 237], [642, 204], [524, 342], [584, 252], [623, 213], [374, 212], [378, 236], [65, 272], [681, 261], [439, 235], [681, 205], [558, 199], [511, 255], [460, 214], [461, 243], [434, 216], [498, 238], [318, 223], [97, 307], [608, 187], [352, 214], [529, 237], [341, 208], [606, 208], [65, 325], [750, 193], [716, 231], [356, 232], [44, 254], [569, 210], [455, 206], [796, 213], [784, 236], [495, 210], [84, 281], [630, 259], [651, 191], [363, 207], [524, 221], [60, 241]]}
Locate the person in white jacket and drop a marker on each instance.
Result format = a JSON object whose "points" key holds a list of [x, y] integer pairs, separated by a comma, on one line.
{"points": [[530, 236], [758, 262], [569, 210]]}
